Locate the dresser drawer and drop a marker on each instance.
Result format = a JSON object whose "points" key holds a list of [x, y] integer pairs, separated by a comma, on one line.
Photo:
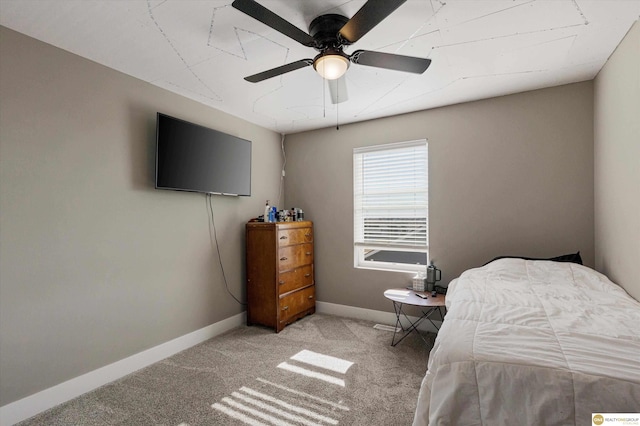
{"points": [[296, 278], [288, 237], [296, 302], [292, 256]]}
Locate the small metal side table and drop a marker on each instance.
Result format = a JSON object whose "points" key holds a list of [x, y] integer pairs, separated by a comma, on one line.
{"points": [[428, 305]]}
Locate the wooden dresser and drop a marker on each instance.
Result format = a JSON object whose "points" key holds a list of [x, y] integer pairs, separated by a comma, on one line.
{"points": [[280, 281]]}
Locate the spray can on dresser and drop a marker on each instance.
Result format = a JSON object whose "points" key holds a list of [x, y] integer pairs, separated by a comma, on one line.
{"points": [[267, 211]]}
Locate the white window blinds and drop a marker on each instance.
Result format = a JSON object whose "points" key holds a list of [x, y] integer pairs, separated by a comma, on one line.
{"points": [[391, 196]]}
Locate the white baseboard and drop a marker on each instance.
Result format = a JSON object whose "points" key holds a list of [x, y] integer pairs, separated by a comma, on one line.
{"points": [[381, 317], [30, 406]]}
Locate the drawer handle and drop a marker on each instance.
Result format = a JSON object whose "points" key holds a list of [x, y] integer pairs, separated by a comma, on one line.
{"points": [[280, 282], [285, 308], [283, 258], [307, 235], [310, 297], [308, 253], [307, 275], [284, 237]]}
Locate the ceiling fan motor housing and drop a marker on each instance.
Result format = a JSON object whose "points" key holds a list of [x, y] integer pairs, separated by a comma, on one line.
{"points": [[324, 30]]}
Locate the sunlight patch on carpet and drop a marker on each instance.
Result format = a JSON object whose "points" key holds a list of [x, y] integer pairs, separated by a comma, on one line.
{"points": [[237, 415], [248, 402], [385, 327], [258, 413], [310, 373], [328, 362], [306, 395], [253, 407], [283, 404]]}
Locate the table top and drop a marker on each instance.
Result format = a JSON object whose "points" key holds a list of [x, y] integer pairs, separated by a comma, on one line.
{"points": [[408, 297]]}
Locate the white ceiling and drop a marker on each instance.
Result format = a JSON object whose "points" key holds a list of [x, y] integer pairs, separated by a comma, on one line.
{"points": [[202, 49]]}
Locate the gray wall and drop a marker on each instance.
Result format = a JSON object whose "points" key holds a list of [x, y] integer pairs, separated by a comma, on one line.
{"points": [[508, 176], [617, 164], [96, 264]]}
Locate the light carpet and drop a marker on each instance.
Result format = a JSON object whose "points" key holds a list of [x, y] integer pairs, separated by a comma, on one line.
{"points": [[321, 370]]}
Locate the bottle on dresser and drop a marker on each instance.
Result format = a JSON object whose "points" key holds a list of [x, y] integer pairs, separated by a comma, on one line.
{"points": [[267, 212]]}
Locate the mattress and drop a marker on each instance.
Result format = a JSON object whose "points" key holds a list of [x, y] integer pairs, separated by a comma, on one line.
{"points": [[532, 342]]}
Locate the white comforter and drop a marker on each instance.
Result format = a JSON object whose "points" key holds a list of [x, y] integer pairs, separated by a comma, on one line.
{"points": [[532, 343]]}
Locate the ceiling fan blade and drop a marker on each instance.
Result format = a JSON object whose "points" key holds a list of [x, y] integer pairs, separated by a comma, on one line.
{"points": [[274, 72], [390, 61], [267, 17], [369, 15], [338, 90]]}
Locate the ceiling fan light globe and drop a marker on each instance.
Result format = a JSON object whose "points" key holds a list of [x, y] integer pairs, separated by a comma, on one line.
{"points": [[331, 67]]}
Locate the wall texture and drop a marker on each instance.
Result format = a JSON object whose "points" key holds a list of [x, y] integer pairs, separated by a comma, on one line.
{"points": [[96, 264], [508, 176], [617, 164]]}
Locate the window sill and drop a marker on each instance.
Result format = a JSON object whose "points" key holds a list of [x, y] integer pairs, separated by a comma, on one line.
{"points": [[410, 270]]}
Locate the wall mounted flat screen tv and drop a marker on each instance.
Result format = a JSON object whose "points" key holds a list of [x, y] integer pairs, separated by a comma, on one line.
{"points": [[194, 158]]}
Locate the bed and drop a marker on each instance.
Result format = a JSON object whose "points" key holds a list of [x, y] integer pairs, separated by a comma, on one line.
{"points": [[532, 342]]}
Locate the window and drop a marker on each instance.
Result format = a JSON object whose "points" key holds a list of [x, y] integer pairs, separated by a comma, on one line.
{"points": [[390, 187]]}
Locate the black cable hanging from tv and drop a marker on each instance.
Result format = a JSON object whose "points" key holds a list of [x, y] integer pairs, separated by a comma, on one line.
{"points": [[208, 199]]}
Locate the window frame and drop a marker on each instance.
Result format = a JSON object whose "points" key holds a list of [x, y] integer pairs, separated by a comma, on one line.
{"points": [[360, 247]]}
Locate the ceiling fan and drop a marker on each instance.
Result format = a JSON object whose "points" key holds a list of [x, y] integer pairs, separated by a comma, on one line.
{"points": [[329, 34]]}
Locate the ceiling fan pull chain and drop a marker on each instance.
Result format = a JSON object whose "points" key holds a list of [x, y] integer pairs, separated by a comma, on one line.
{"points": [[337, 106], [324, 98]]}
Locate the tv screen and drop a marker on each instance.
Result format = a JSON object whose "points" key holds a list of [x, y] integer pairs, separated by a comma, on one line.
{"points": [[195, 158]]}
